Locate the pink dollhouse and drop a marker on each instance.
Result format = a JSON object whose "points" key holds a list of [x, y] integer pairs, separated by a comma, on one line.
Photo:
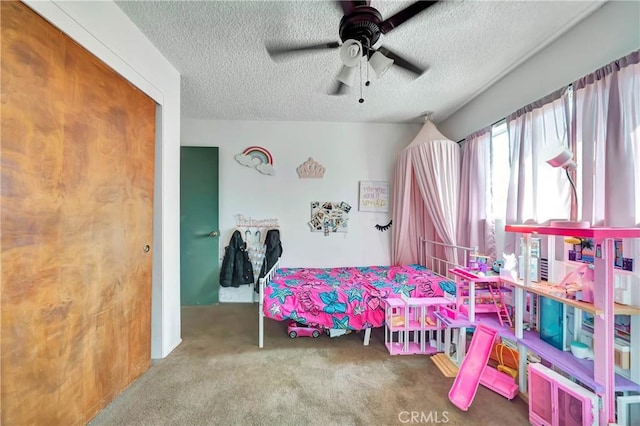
{"points": [[565, 390]]}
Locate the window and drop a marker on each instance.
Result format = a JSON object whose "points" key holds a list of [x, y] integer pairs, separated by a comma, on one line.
{"points": [[500, 169]]}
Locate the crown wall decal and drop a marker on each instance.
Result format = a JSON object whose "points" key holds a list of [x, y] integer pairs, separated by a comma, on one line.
{"points": [[310, 169]]}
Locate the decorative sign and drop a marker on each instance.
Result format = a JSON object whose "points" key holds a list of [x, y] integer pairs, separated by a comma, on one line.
{"points": [[374, 196], [257, 157], [329, 217], [241, 220]]}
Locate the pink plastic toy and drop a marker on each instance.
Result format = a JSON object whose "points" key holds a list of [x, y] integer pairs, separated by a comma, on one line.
{"points": [[583, 276], [466, 383], [294, 330], [499, 382]]}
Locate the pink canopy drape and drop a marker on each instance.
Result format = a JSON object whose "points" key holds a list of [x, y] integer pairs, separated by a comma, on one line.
{"points": [[425, 196], [476, 225]]}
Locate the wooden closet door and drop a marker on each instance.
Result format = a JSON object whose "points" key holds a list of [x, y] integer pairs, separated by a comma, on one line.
{"points": [[77, 156]]}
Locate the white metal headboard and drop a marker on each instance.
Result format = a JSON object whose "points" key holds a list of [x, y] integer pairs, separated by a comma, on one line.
{"points": [[432, 254]]}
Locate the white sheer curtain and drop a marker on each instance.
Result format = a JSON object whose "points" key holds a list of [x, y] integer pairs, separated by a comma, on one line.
{"points": [[476, 225], [537, 192], [607, 134], [436, 165]]}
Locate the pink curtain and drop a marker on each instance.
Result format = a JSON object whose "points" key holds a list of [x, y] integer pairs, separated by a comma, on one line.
{"points": [[607, 136], [537, 192], [476, 225], [607, 133], [408, 223], [425, 196]]}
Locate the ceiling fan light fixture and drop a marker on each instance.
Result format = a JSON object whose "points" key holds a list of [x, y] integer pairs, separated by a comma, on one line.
{"points": [[348, 75], [351, 52], [380, 64]]}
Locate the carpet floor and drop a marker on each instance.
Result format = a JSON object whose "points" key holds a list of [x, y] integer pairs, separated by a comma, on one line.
{"points": [[219, 376]]}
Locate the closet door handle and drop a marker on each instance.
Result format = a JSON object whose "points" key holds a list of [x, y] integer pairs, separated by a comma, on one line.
{"points": [[214, 234]]}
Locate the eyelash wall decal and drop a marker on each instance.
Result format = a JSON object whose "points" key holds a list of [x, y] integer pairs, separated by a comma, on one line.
{"points": [[382, 228]]}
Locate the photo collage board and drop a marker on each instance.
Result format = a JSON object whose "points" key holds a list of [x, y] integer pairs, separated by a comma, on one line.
{"points": [[329, 217]]}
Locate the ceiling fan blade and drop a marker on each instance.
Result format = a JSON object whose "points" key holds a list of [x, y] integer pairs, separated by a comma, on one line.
{"points": [[401, 62], [277, 51], [405, 14], [350, 5]]}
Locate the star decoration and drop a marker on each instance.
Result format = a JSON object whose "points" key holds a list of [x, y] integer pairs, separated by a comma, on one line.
{"points": [[404, 289], [274, 309], [281, 294], [358, 310], [341, 323], [354, 294]]}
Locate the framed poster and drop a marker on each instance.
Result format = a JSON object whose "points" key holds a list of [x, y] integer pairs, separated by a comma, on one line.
{"points": [[374, 196]]}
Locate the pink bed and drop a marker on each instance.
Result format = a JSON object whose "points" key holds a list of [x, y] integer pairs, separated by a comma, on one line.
{"points": [[344, 298]]}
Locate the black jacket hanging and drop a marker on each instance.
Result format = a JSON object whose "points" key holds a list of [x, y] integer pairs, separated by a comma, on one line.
{"points": [[236, 267], [273, 251]]}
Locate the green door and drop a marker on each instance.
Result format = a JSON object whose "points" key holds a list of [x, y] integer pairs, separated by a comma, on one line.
{"points": [[199, 266]]}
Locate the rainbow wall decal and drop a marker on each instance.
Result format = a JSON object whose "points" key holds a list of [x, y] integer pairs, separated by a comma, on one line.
{"points": [[260, 153], [257, 157]]}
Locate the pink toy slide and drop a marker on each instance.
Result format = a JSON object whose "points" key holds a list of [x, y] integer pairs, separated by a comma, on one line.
{"points": [[467, 381]]}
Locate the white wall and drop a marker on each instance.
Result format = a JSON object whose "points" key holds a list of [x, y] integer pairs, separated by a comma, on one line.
{"points": [[609, 33], [104, 30], [351, 152]]}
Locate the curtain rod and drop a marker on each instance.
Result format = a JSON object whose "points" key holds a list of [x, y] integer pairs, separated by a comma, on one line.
{"points": [[567, 87], [491, 125]]}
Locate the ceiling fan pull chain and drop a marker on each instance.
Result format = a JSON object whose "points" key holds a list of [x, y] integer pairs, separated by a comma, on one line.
{"points": [[361, 100], [367, 83], [366, 64]]}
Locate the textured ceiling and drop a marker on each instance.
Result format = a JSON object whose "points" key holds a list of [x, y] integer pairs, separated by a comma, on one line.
{"points": [[219, 49]]}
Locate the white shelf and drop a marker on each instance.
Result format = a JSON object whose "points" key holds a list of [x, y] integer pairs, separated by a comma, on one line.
{"points": [[546, 290]]}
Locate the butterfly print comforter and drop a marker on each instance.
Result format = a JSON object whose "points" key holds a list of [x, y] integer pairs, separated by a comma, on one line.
{"points": [[344, 298]]}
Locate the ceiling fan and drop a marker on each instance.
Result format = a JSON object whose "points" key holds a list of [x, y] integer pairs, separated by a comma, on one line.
{"points": [[360, 29]]}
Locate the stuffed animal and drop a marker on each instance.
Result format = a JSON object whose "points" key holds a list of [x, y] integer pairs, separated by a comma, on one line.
{"points": [[496, 265]]}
